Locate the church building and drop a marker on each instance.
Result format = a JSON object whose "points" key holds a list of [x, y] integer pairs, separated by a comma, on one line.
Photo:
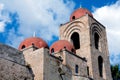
{"points": [[81, 53]]}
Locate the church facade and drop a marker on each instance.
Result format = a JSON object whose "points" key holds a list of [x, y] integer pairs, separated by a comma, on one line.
{"points": [[80, 54]]}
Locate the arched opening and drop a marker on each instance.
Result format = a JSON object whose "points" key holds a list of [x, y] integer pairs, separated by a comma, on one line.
{"points": [[76, 68], [52, 50], [100, 66], [73, 17], [23, 46], [96, 40], [75, 40], [33, 44]]}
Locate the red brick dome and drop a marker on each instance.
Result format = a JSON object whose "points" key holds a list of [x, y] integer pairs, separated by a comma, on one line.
{"points": [[61, 44], [37, 42], [79, 13]]}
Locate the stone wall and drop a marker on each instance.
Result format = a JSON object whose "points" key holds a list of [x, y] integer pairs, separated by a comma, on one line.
{"points": [[12, 65], [10, 70], [34, 58], [46, 66], [71, 60], [96, 27], [11, 53]]}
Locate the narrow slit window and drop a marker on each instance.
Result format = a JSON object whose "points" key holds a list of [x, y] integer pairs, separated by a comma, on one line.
{"points": [[100, 66], [76, 68], [88, 70]]}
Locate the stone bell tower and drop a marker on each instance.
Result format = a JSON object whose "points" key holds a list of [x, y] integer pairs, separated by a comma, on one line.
{"points": [[90, 41]]}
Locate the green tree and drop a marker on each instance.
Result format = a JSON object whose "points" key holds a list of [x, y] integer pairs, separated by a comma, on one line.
{"points": [[115, 72]]}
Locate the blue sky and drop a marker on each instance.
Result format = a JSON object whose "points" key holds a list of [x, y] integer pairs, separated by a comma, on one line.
{"points": [[19, 19]]}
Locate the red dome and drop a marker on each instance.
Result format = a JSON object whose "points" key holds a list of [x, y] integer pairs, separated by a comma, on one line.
{"points": [[79, 13], [37, 42], [61, 44]]}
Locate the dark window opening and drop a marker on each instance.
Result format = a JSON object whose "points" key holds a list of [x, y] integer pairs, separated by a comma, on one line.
{"points": [[76, 68], [52, 50], [73, 17], [32, 44], [100, 66], [64, 47], [75, 40], [88, 70], [25, 79], [96, 40], [72, 50], [23, 46]]}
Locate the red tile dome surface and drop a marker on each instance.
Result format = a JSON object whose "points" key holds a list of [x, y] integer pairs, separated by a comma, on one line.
{"points": [[79, 13], [37, 42], [61, 44]]}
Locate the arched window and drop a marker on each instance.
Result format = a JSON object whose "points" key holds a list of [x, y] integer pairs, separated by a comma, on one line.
{"points": [[76, 68], [52, 50], [75, 40], [32, 44], [96, 40], [23, 46], [100, 66], [73, 17]]}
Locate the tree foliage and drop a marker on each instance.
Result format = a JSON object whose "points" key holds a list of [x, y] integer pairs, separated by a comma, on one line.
{"points": [[115, 72]]}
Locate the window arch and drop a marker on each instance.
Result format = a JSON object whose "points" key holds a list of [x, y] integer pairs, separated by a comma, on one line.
{"points": [[23, 46], [75, 40], [100, 66], [96, 40]]}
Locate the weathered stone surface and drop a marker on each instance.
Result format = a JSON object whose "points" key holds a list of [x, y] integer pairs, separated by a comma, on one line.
{"points": [[12, 64], [12, 54], [46, 66], [12, 71], [86, 27]]}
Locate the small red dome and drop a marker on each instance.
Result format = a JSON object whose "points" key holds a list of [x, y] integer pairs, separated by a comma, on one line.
{"points": [[61, 44], [37, 42], [79, 13]]}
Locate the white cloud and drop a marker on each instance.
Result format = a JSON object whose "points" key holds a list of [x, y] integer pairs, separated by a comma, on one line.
{"points": [[4, 18], [15, 38], [2, 26], [42, 17], [115, 59], [110, 17]]}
